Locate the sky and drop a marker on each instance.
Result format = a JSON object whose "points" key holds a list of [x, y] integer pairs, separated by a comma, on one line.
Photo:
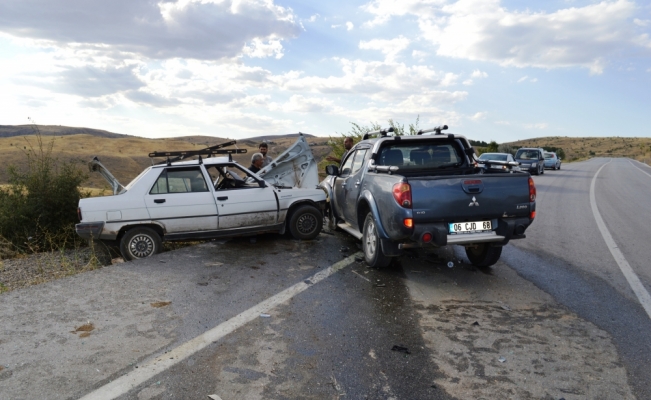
{"points": [[500, 70]]}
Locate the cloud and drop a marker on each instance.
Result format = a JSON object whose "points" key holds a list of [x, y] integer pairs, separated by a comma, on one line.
{"points": [[91, 81], [541, 125], [479, 116], [484, 30], [527, 79], [302, 104], [478, 74], [390, 48], [200, 29]]}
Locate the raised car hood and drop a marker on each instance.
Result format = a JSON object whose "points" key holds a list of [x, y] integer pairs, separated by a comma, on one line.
{"points": [[95, 166], [295, 167]]}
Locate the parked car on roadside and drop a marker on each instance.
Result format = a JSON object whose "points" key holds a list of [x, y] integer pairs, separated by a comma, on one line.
{"points": [[531, 160], [205, 198], [552, 161], [499, 161]]}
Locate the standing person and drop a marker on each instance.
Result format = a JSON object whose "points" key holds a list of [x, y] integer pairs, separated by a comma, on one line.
{"points": [[348, 144], [266, 160], [256, 162]]}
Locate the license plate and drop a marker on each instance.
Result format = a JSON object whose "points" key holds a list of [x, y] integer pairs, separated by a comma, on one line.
{"points": [[470, 227]]}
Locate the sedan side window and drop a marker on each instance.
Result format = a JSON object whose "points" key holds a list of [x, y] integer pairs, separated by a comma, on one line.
{"points": [[180, 180]]}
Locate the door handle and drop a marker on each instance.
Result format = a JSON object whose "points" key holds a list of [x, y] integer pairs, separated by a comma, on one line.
{"points": [[159, 201], [222, 198]]}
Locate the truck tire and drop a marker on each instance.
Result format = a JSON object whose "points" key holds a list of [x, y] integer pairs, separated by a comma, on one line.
{"points": [[305, 223], [140, 243], [484, 255], [371, 244]]}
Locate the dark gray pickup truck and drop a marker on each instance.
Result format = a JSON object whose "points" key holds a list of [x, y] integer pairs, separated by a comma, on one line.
{"points": [[400, 192]]}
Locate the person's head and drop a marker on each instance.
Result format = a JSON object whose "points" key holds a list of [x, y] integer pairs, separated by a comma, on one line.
{"points": [[256, 160], [263, 147], [348, 143]]}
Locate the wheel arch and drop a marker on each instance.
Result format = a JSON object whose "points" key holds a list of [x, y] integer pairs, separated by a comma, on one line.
{"points": [[156, 227], [367, 200]]}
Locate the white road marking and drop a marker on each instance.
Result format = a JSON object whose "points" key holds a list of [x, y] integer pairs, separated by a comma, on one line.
{"points": [[152, 368], [633, 280], [639, 168]]}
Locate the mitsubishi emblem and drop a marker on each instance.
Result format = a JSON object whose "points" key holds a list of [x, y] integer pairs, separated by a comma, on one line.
{"points": [[474, 202]]}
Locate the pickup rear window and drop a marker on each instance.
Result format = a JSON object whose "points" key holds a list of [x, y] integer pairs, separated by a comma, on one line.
{"points": [[411, 155]]}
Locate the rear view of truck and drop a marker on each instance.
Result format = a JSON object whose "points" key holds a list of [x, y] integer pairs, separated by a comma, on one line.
{"points": [[416, 191]]}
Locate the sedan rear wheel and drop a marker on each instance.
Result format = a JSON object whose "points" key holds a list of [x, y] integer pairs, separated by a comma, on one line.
{"points": [[140, 243]]}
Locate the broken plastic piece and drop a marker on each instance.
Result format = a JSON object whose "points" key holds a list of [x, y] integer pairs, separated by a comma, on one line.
{"points": [[265, 316], [501, 359], [359, 258], [476, 323], [214, 397]]}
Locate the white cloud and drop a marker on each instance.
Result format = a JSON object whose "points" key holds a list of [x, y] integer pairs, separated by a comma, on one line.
{"points": [[484, 30], [302, 104], [419, 55], [479, 74], [313, 18], [479, 116], [259, 49], [390, 48], [349, 26], [527, 79], [202, 29]]}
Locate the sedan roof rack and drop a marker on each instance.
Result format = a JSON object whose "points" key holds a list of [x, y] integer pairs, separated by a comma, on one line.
{"points": [[208, 151]]}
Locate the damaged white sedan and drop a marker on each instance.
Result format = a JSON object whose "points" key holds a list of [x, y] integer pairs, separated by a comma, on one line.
{"points": [[206, 198]]}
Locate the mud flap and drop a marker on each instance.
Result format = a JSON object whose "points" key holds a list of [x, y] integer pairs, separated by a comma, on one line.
{"points": [[390, 248]]}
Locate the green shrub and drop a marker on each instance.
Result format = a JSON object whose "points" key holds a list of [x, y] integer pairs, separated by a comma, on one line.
{"points": [[38, 209]]}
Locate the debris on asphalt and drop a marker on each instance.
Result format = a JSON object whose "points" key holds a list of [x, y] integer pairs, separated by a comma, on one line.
{"points": [[214, 397], [202, 283], [380, 285], [505, 307], [265, 316], [359, 258], [1, 368], [450, 264], [400, 349], [213, 264], [160, 304], [475, 323], [85, 330], [501, 359], [344, 249], [308, 282], [327, 232]]}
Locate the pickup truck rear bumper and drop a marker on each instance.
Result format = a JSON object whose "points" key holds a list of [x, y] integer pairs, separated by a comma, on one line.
{"points": [[507, 229], [90, 230]]}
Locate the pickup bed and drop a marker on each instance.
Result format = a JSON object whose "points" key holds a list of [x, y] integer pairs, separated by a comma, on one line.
{"points": [[205, 198], [400, 192]]}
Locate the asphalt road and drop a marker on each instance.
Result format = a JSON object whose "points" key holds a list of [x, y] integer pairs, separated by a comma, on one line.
{"points": [[284, 319]]}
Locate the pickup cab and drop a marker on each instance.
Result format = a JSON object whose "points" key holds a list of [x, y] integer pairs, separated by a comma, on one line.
{"points": [[205, 198], [401, 192]]}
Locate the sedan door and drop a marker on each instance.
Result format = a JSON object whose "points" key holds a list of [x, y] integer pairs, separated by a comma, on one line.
{"points": [[181, 201]]}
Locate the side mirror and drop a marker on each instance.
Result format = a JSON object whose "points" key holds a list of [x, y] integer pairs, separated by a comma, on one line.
{"points": [[332, 170]]}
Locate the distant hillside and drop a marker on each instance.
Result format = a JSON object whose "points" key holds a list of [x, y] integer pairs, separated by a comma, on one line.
{"points": [[126, 156], [53, 130], [580, 148]]}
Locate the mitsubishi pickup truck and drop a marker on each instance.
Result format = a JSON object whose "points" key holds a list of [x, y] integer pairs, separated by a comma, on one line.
{"points": [[401, 192], [209, 197]]}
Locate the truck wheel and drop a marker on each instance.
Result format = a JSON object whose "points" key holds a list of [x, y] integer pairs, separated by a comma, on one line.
{"points": [[371, 244], [483, 255], [140, 243], [306, 223]]}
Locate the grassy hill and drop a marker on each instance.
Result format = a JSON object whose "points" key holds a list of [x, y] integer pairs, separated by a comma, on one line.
{"points": [[126, 156], [581, 148]]}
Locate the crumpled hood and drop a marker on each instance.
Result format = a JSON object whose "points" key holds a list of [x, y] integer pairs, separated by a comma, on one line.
{"points": [[295, 167]]}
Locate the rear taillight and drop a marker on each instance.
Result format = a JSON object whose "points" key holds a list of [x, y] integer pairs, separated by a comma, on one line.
{"points": [[532, 190], [79, 213], [402, 194]]}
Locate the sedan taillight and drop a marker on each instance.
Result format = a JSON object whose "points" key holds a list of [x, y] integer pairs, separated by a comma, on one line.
{"points": [[79, 213]]}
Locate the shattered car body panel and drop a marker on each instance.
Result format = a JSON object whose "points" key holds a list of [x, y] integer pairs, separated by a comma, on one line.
{"points": [[201, 199]]}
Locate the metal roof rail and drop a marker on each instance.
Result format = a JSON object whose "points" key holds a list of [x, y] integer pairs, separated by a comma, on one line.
{"points": [[437, 129], [381, 132]]}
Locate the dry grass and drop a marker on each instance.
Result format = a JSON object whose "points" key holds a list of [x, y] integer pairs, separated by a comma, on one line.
{"points": [[581, 148]]}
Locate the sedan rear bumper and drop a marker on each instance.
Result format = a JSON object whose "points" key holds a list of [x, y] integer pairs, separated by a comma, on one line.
{"points": [[90, 230]]}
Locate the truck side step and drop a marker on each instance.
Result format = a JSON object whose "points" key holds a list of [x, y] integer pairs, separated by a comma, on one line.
{"points": [[345, 226]]}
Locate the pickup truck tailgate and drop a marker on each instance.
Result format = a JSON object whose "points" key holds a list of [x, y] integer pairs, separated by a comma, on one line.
{"points": [[469, 197]]}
